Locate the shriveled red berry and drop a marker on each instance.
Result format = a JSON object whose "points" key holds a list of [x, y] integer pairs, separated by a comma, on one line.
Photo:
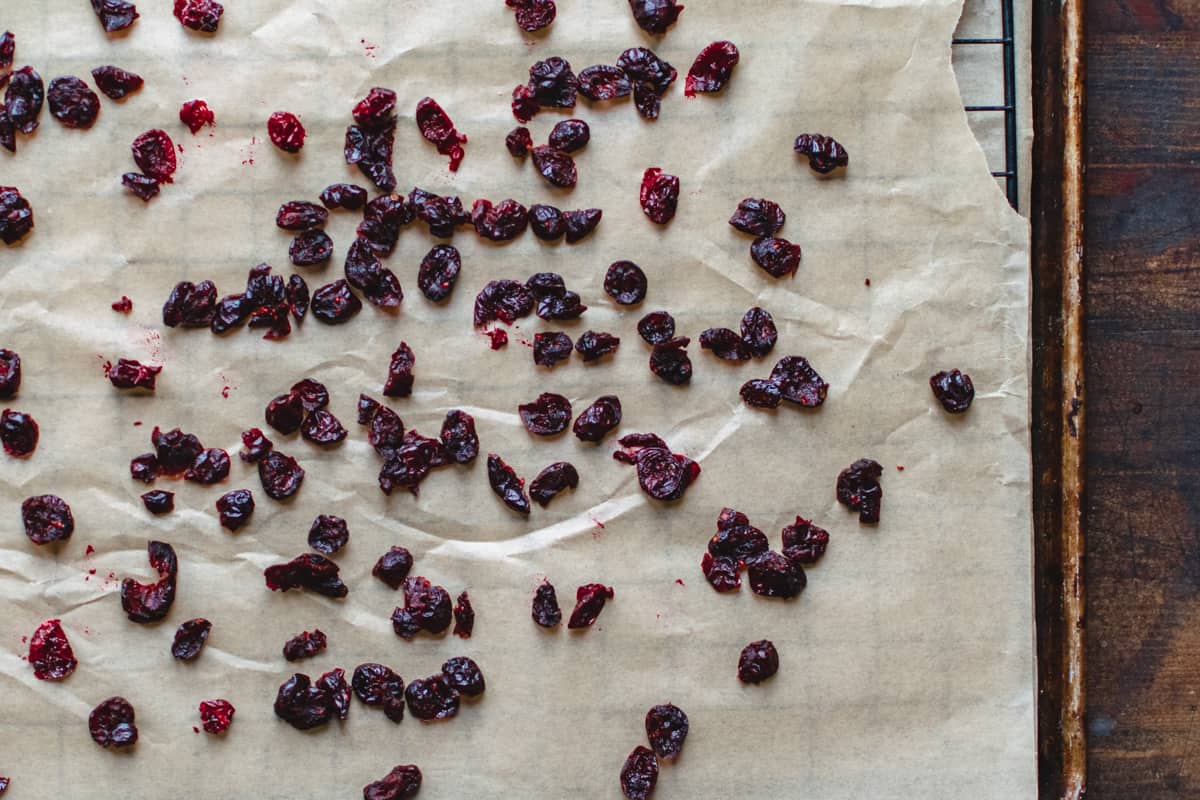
{"points": [[659, 195], [669, 361], [199, 15], [141, 186], [322, 427], [740, 541], [550, 348], [18, 433], [464, 676], [399, 381], [175, 450], [383, 219], [464, 622], [581, 223], [285, 413], [297, 297], [115, 15], [758, 217], [23, 100], [159, 502], [773, 575], [286, 131], [593, 345], [306, 571], [209, 467], [662, 474], [439, 272], [759, 331], [759, 393], [650, 77], [10, 373], [604, 82], [312, 394], [441, 214], [570, 135], [130, 374], [724, 344], [722, 572], [953, 389], [554, 479], [216, 715], [431, 698], [8, 47], [385, 428], [557, 167], [344, 195], [502, 222], [16, 215], [393, 566], [47, 518], [112, 723], [858, 489], [150, 602], [548, 415], [154, 154], [195, 114], [114, 82], [459, 437], [505, 300], [824, 154], [545, 606], [328, 534], [655, 16], [303, 704], [589, 602], [758, 661], [519, 141], [553, 83], [711, 69], [371, 147], [666, 728], [144, 468], [299, 215], [310, 247], [798, 382], [377, 108], [190, 638], [507, 486], [305, 644], [656, 327], [72, 102], [803, 542], [547, 222], [599, 419], [235, 508], [524, 105], [281, 476], [639, 775], [50, 652], [427, 607], [437, 127], [777, 257], [378, 685], [533, 15], [334, 303], [403, 781], [190, 305]]}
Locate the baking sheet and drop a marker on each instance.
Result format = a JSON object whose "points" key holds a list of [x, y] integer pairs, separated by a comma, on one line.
{"points": [[907, 666]]}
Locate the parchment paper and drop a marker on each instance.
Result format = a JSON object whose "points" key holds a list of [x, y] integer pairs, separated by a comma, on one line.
{"points": [[907, 667]]}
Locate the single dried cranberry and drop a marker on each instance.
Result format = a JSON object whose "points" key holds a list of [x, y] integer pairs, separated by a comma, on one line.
{"points": [[650, 76], [777, 257], [285, 413], [383, 218], [304, 645], [557, 167], [159, 502], [659, 195], [143, 187], [773, 575], [553, 83], [310, 247], [551, 348], [724, 344], [662, 474], [196, 114], [297, 297], [150, 602], [640, 771], [385, 428], [593, 345], [409, 464], [604, 82], [505, 300], [464, 625], [507, 486], [404, 780], [344, 195], [533, 15], [669, 361], [211, 466], [758, 661], [328, 534], [464, 676], [154, 153], [3, 784], [721, 572], [47, 519], [334, 303], [548, 415], [190, 638], [18, 433], [500, 223], [72, 102], [115, 82], [760, 393], [426, 608], [570, 135], [953, 390], [299, 215], [286, 131], [803, 542], [335, 685], [436, 126], [581, 223], [235, 508], [377, 108], [190, 305], [144, 468], [199, 15], [758, 217], [281, 476], [306, 571], [8, 47], [597, 420], [16, 215], [824, 154], [431, 698], [441, 214], [656, 327], [711, 69], [554, 479], [10, 372], [666, 728], [23, 100], [439, 272], [130, 374], [216, 715], [50, 652], [377, 685], [759, 331], [546, 284], [459, 438], [519, 141], [655, 16], [371, 149], [524, 105], [363, 267], [545, 606], [393, 566], [589, 602], [115, 15], [565, 307], [798, 382], [303, 705], [111, 723], [858, 489], [122, 306], [740, 542], [399, 381], [322, 427], [547, 222], [385, 292]]}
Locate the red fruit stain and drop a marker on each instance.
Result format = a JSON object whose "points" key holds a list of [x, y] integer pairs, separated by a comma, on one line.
{"points": [[227, 385], [123, 306], [369, 48], [24, 639], [599, 524], [91, 571], [187, 81], [137, 423], [680, 581], [867, 282], [153, 341], [248, 152], [107, 366], [499, 338], [195, 729], [900, 468], [89, 550], [524, 341]]}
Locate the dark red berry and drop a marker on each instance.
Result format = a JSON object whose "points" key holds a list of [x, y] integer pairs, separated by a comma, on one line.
{"points": [[858, 489], [159, 502], [659, 195], [72, 102], [662, 474], [546, 284], [190, 638], [393, 566], [47, 519], [760, 393], [557, 167], [581, 223], [328, 534], [439, 272], [154, 154], [22, 104], [399, 381], [209, 467], [570, 135], [378, 685], [191, 305], [115, 82], [385, 428], [724, 344], [334, 303], [115, 15], [302, 704], [563, 306], [459, 438], [589, 602], [741, 542], [436, 126], [403, 781], [410, 463], [150, 602], [464, 621], [18, 433], [597, 420], [281, 476], [524, 104], [335, 685], [285, 413], [556, 478], [142, 187], [8, 47], [16, 215], [547, 222], [711, 69], [507, 486], [669, 361], [773, 575], [650, 77], [50, 652], [604, 82], [199, 15], [111, 723], [666, 728], [306, 571], [427, 607], [824, 154], [758, 217], [533, 15], [551, 348], [548, 415], [519, 141], [377, 109], [322, 427], [656, 327], [371, 149], [593, 345], [310, 247], [502, 222], [130, 374], [798, 382], [553, 83], [297, 297], [431, 698], [777, 257], [299, 215], [344, 195], [505, 300], [286, 131], [953, 390], [545, 606], [10, 372], [640, 771], [759, 331], [655, 16], [721, 572], [383, 218], [195, 114], [803, 542], [441, 214], [758, 661], [304, 645], [464, 676], [235, 508], [175, 450], [144, 468], [216, 715]]}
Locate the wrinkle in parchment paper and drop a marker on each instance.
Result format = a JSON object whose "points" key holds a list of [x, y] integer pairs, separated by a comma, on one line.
{"points": [[907, 667]]}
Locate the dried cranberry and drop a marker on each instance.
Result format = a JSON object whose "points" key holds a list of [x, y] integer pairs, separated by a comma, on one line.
{"points": [[662, 474], [159, 502], [758, 661], [18, 433], [211, 466], [548, 415], [721, 572], [589, 602], [199, 15], [328, 534], [312, 394], [439, 272], [426, 608], [130, 374], [650, 76], [459, 437], [310, 247], [953, 390], [436, 126], [777, 257], [640, 771], [154, 154], [377, 685], [322, 427], [285, 413], [144, 468], [669, 361], [344, 195], [47, 519], [773, 575], [72, 102], [115, 15], [303, 705], [50, 652], [655, 16], [505, 300], [378, 108], [281, 476], [464, 624], [190, 638], [299, 215], [297, 297], [597, 420], [404, 780], [371, 149], [545, 606], [519, 141], [235, 508], [798, 382], [8, 47], [740, 542], [507, 486], [581, 223], [190, 305], [386, 429], [666, 728], [393, 566], [10, 373], [554, 479], [500, 223], [216, 715], [858, 489], [24, 98], [659, 196], [431, 698], [464, 676], [3, 784], [557, 167], [524, 105], [195, 114], [604, 82], [547, 222], [593, 345], [386, 291], [553, 83], [824, 154], [759, 331], [711, 69], [724, 344], [16, 215], [111, 723], [306, 571], [656, 327], [304, 645], [758, 217], [363, 267], [150, 602], [803, 542], [441, 214], [142, 187], [115, 82], [570, 135], [533, 15], [382, 220], [286, 131], [334, 303], [122, 306], [550, 348], [399, 381]]}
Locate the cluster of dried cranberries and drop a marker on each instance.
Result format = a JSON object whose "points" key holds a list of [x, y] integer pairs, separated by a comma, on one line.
{"points": [[738, 545]]}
